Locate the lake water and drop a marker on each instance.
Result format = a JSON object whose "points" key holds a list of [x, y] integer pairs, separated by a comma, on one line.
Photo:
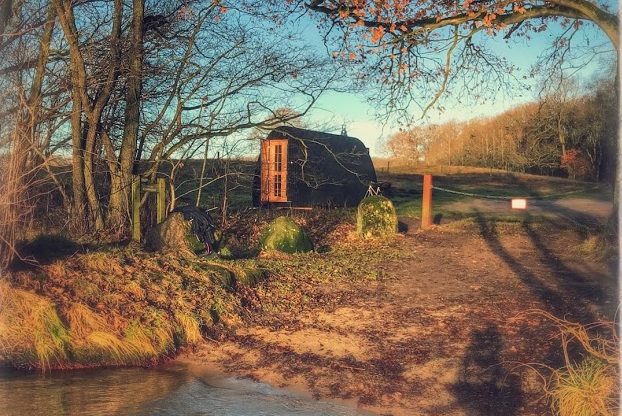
{"points": [[164, 391]]}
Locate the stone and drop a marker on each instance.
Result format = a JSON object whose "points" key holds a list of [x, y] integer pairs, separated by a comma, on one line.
{"points": [[174, 234]]}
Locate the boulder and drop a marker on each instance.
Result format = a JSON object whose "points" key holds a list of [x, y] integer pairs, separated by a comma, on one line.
{"points": [[283, 234], [174, 234], [376, 217]]}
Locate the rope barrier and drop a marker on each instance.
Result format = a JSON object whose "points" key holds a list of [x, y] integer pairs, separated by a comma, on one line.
{"points": [[507, 198], [451, 191]]}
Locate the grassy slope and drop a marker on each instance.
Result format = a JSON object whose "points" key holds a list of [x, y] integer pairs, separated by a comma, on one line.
{"points": [[119, 307], [123, 306]]}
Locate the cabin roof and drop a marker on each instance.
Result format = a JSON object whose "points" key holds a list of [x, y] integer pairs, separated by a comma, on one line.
{"points": [[336, 142]]}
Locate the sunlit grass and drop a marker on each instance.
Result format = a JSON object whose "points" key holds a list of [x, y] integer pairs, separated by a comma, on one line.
{"points": [[188, 328], [596, 247], [139, 343], [589, 387], [118, 307], [32, 331], [114, 349]]}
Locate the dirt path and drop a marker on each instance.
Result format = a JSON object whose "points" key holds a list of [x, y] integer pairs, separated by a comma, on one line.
{"points": [[439, 334]]}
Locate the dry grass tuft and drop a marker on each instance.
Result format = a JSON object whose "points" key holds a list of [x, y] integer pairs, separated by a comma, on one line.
{"points": [[83, 321], [94, 340], [589, 388], [139, 343], [101, 263], [120, 351], [163, 338], [585, 389], [188, 328], [596, 248]]}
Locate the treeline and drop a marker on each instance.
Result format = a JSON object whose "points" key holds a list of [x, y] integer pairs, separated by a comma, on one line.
{"points": [[562, 134]]}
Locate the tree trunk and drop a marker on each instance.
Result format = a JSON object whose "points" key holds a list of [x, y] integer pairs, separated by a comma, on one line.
{"points": [[202, 178], [84, 147], [95, 214], [77, 162], [132, 113], [560, 132]]}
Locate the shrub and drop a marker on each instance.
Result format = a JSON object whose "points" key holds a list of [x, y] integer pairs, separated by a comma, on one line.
{"points": [[576, 164], [376, 217], [283, 234]]}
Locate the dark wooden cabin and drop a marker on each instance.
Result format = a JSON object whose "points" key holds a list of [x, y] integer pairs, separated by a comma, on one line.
{"points": [[304, 168]]}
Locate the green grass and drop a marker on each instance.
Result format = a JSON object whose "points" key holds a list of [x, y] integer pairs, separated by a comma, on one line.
{"points": [[407, 191]]}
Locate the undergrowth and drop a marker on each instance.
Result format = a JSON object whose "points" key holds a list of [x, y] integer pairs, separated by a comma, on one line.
{"points": [[596, 247]]}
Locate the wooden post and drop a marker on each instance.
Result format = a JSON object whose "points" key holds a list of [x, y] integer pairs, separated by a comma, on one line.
{"points": [[136, 208], [426, 207], [161, 201]]}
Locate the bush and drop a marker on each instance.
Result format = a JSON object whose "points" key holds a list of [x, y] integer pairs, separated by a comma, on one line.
{"points": [[577, 164], [376, 217], [283, 234]]}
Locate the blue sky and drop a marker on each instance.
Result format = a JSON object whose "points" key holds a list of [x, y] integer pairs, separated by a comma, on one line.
{"points": [[358, 115]]}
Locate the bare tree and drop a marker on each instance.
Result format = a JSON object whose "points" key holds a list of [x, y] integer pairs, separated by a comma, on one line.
{"points": [[106, 86], [419, 50]]}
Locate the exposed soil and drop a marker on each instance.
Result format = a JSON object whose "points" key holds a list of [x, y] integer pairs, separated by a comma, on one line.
{"points": [[441, 333]]}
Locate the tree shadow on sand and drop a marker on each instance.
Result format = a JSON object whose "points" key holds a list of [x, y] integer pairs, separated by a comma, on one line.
{"points": [[485, 386]]}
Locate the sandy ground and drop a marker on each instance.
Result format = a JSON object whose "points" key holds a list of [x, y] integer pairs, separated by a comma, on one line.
{"points": [[443, 333]]}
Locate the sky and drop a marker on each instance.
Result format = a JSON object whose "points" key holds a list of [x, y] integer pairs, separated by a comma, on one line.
{"points": [[358, 115]]}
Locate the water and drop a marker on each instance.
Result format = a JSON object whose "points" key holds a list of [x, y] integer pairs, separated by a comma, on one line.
{"points": [[172, 390]]}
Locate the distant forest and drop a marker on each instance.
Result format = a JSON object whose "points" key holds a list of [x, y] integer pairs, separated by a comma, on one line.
{"points": [[564, 133]]}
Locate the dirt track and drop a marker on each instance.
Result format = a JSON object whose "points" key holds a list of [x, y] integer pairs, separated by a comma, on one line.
{"points": [[441, 333]]}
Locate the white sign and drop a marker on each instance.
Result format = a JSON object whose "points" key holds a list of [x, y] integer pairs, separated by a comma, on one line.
{"points": [[519, 203]]}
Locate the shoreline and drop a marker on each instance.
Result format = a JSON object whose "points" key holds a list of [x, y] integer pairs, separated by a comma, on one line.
{"points": [[215, 374]]}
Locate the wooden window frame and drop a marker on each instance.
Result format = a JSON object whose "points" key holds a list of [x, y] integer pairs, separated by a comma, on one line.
{"points": [[271, 168]]}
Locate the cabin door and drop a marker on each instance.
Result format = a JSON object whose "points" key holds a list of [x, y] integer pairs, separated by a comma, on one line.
{"points": [[274, 170]]}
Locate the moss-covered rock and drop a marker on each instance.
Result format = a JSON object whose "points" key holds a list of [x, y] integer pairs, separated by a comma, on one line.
{"points": [[376, 217], [283, 234]]}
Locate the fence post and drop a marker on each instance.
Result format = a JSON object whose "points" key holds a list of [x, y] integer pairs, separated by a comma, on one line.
{"points": [[136, 208], [161, 201], [426, 207]]}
